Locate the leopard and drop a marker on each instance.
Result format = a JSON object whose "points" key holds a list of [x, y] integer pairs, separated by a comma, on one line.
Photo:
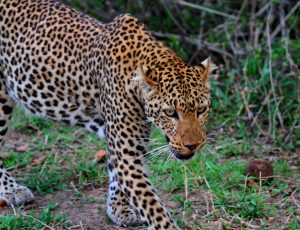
{"points": [[114, 79]]}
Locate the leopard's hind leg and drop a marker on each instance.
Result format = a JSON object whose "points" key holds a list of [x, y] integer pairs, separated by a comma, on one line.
{"points": [[10, 191], [6, 108]]}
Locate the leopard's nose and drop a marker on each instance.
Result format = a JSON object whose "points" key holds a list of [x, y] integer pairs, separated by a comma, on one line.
{"points": [[191, 147]]}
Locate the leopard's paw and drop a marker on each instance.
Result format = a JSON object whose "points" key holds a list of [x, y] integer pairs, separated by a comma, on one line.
{"points": [[123, 216], [17, 195]]}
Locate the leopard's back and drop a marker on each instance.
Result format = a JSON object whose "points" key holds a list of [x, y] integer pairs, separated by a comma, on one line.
{"points": [[44, 59]]}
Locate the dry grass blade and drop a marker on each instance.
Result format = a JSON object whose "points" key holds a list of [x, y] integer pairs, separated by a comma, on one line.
{"points": [[287, 199], [45, 225]]}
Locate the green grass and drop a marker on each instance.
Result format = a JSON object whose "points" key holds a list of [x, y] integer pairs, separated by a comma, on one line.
{"points": [[225, 181], [33, 220], [212, 185], [64, 155], [66, 152]]}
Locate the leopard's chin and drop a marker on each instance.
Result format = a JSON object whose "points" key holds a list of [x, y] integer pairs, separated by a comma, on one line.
{"points": [[183, 157]]}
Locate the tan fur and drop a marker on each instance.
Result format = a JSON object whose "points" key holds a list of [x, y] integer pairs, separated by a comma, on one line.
{"points": [[113, 79]]}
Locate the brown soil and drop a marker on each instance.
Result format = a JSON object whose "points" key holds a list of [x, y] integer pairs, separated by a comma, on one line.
{"points": [[88, 211], [81, 214]]}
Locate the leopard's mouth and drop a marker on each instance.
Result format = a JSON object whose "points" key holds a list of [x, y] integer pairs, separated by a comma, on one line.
{"points": [[178, 155], [183, 157]]}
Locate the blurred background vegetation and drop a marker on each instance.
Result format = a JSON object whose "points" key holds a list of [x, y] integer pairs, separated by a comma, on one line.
{"points": [[255, 44], [256, 114]]}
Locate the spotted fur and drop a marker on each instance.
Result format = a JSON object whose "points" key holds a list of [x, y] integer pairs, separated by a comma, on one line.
{"points": [[113, 79]]}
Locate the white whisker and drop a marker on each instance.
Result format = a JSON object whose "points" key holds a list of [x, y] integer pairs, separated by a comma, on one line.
{"points": [[160, 154]]}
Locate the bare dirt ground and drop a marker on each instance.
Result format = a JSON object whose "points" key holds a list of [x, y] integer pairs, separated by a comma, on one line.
{"points": [[81, 215], [84, 211], [88, 210]]}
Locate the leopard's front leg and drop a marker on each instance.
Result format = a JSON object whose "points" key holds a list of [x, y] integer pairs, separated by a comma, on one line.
{"points": [[129, 179], [118, 207]]}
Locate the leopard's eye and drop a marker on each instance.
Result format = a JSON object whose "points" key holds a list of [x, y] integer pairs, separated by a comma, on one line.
{"points": [[201, 110], [171, 113]]}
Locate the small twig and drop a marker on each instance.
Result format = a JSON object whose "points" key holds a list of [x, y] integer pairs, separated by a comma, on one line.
{"points": [[186, 193], [245, 2], [195, 178], [250, 114], [266, 99], [202, 44], [252, 23], [17, 166], [208, 214], [169, 12], [43, 167], [209, 10], [232, 46], [81, 225], [251, 226], [290, 131], [75, 227], [296, 203], [287, 219], [201, 26], [285, 37], [14, 210], [284, 178], [185, 184], [228, 144], [207, 184], [286, 200], [278, 114], [245, 185], [260, 183], [277, 29], [207, 205], [262, 9], [270, 128], [46, 139], [73, 186]]}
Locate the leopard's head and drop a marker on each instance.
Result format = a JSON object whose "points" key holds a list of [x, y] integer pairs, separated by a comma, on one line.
{"points": [[177, 100]]}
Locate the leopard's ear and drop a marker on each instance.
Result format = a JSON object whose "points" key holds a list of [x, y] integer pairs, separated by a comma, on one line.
{"points": [[208, 67], [143, 76]]}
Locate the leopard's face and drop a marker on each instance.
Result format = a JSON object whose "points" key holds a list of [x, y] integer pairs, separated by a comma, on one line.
{"points": [[178, 102]]}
